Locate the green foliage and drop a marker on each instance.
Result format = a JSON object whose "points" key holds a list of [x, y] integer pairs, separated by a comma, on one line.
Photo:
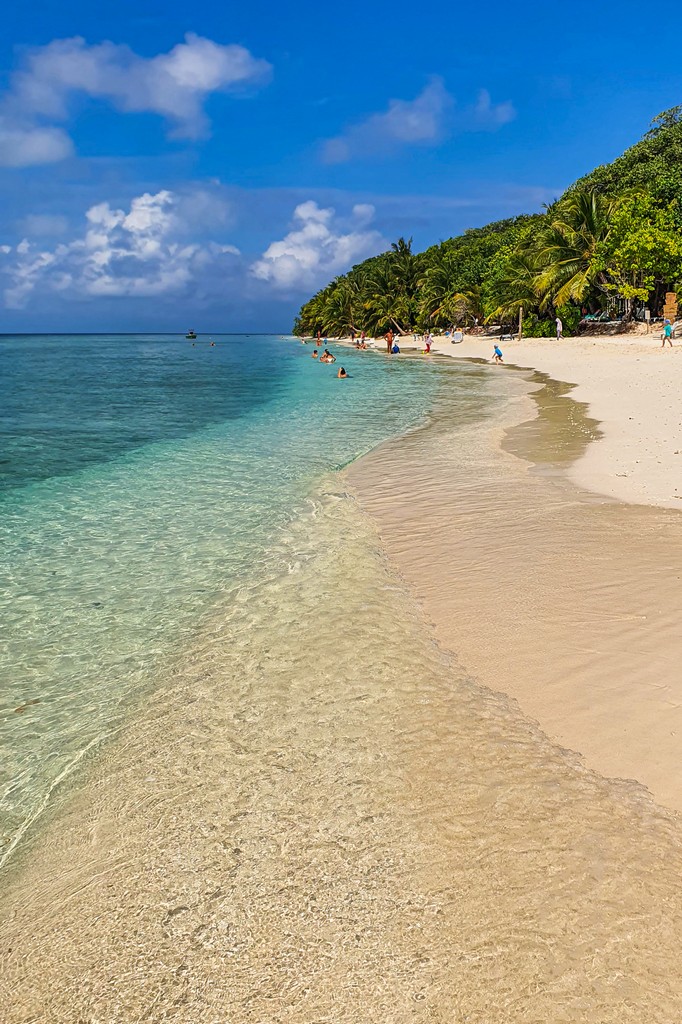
{"points": [[570, 317], [617, 232], [534, 327], [644, 247]]}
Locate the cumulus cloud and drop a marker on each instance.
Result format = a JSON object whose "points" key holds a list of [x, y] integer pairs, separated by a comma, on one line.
{"points": [[423, 121], [173, 85], [319, 246], [138, 252], [23, 144], [419, 121]]}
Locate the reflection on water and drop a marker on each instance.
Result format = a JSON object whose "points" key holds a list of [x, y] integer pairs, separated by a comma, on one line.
{"points": [[323, 819]]}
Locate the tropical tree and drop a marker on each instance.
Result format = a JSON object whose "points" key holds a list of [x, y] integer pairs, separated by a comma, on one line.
{"points": [[617, 231], [512, 282], [643, 251], [567, 246]]}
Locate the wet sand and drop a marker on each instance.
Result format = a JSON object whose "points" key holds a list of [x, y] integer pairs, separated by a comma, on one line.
{"points": [[565, 600]]}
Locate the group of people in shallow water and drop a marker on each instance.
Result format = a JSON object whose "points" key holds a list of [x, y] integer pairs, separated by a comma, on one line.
{"points": [[327, 357]]}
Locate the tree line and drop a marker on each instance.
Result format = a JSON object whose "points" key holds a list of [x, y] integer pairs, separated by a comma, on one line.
{"points": [[611, 243]]}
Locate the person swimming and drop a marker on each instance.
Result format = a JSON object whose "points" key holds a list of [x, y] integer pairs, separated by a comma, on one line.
{"points": [[314, 353], [342, 373]]}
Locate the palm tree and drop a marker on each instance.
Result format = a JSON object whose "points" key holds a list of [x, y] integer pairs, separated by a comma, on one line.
{"points": [[341, 306], [515, 286], [437, 286], [568, 271]]}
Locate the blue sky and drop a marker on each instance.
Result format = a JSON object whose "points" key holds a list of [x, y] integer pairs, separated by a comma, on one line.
{"points": [[165, 164]]}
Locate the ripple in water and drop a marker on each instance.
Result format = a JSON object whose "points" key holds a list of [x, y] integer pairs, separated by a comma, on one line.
{"points": [[324, 819]]}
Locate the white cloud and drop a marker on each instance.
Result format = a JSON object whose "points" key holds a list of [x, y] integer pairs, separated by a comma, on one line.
{"points": [[134, 252], [24, 145], [174, 85], [487, 115], [419, 121], [319, 246], [423, 121]]}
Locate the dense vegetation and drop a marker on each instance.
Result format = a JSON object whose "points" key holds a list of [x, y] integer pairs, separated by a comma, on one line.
{"points": [[612, 242]]}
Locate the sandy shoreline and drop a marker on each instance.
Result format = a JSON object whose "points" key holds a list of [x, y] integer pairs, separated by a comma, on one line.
{"points": [[631, 385], [565, 601]]}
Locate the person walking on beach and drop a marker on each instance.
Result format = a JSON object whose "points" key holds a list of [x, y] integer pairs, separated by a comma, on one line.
{"points": [[389, 341], [667, 334], [559, 329], [497, 354]]}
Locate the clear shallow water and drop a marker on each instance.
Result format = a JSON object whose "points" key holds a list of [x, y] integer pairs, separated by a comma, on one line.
{"points": [[320, 818], [312, 814], [141, 478]]}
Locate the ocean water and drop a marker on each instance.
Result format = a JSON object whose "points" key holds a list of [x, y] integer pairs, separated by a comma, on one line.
{"points": [[141, 479]]}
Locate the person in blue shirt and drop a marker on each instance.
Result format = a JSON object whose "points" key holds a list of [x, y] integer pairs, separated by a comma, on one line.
{"points": [[497, 354], [667, 334]]}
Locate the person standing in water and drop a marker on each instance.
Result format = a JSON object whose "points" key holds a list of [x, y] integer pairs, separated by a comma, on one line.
{"points": [[389, 341]]}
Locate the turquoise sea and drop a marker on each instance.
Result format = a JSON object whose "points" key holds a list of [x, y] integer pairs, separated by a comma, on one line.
{"points": [[142, 478]]}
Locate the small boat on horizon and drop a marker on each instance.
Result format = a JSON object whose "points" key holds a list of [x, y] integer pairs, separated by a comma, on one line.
{"points": [[191, 335]]}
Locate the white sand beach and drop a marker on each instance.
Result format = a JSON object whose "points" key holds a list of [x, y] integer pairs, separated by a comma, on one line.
{"points": [[632, 386]]}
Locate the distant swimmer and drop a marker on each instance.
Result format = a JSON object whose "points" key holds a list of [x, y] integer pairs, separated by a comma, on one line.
{"points": [[342, 373], [497, 354], [327, 357], [314, 353]]}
